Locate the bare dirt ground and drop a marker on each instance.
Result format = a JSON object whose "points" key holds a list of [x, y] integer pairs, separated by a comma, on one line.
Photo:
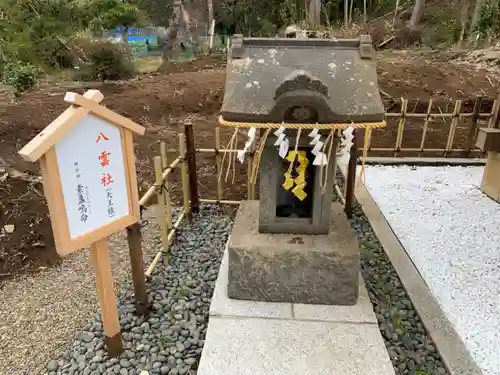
{"points": [[194, 90]]}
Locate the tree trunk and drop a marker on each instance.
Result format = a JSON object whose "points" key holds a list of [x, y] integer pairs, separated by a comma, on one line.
{"points": [[346, 13], [315, 12], [365, 16], [418, 11], [475, 19], [172, 32], [464, 18]]}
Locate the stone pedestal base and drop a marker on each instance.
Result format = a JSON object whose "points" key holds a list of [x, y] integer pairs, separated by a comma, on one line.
{"points": [[490, 185], [315, 269]]}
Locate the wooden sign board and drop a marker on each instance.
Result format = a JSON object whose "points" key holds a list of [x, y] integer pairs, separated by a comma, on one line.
{"points": [[87, 160], [87, 163]]}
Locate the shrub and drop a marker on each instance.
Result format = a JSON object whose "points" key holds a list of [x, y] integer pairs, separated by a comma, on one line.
{"points": [[21, 76], [105, 61]]}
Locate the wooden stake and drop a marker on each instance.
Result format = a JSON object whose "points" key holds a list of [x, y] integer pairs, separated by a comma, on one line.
{"points": [[218, 163], [351, 178], [191, 162], [107, 300], [137, 265], [160, 192], [184, 177], [250, 184]]}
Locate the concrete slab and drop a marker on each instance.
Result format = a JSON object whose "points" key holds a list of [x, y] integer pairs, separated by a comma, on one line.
{"points": [[246, 346], [361, 312], [223, 305]]}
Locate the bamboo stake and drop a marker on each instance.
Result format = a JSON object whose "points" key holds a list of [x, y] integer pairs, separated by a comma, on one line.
{"points": [[401, 126], [169, 239], [453, 126], [160, 192], [426, 124], [472, 134], [184, 176], [168, 201], [151, 191], [218, 163]]}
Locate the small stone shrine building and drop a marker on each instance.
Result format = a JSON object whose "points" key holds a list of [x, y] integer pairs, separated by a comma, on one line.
{"points": [[294, 244]]}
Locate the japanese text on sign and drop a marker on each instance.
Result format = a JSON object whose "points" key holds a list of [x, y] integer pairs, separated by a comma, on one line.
{"points": [[92, 170]]}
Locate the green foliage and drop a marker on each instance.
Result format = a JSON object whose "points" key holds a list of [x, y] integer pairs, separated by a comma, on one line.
{"points": [[109, 14], [489, 20], [20, 76], [106, 61]]}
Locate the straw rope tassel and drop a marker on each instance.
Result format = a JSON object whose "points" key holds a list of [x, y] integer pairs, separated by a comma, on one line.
{"points": [[297, 139], [366, 146], [228, 147], [324, 182], [257, 157], [321, 167]]}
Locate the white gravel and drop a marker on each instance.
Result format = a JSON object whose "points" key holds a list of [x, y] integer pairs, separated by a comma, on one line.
{"points": [[451, 230]]}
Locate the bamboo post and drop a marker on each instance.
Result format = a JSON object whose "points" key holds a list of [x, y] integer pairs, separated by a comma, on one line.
{"points": [[166, 193], [191, 162], [453, 127], [107, 299], [184, 177], [218, 164], [426, 125], [401, 126], [471, 135], [351, 178], [160, 192], [137, 266]]}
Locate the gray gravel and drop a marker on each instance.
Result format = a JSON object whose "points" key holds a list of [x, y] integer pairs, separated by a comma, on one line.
{"points": [[171, 339], [411, 350]]}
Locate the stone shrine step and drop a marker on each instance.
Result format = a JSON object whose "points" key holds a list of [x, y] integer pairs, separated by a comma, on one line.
{"points": [[264, 338]]}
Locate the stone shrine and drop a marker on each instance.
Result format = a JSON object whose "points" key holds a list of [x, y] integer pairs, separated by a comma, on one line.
{"points": [[294, 244]]}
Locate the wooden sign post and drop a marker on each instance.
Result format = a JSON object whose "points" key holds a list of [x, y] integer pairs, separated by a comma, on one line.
{"points": [[87, 161]]}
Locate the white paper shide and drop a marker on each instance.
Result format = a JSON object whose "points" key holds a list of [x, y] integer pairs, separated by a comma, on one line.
{"points": [[93, 177]]}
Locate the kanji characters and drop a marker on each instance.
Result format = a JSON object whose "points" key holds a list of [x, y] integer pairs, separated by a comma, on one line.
{"points": [[101, 136], [106, 179], [104, 158]]}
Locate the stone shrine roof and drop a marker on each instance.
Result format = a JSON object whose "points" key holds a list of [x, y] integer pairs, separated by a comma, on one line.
{"points": [[269, 78]]}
